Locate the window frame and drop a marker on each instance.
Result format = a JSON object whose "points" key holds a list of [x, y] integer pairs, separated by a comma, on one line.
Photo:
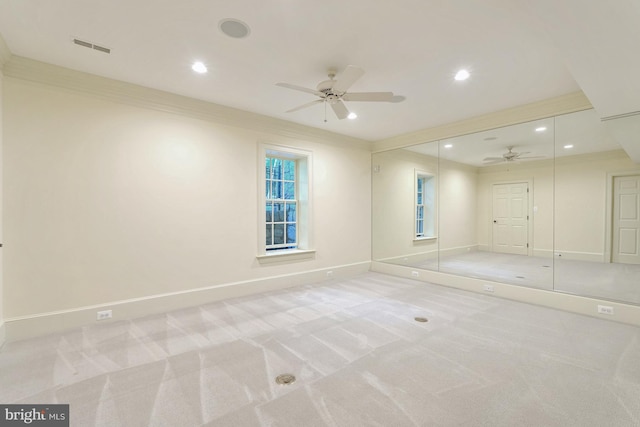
{"points": [[429, 206], [303, 192]]}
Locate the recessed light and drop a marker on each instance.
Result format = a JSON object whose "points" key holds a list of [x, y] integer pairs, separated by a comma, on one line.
{"points": [[462, 75], [448, 145], [568, 146], [199, 67], [234, 28], [352, 116], [541, 129]]}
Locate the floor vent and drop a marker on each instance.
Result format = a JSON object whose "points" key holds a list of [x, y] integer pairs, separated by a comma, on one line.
{"points": [[91, 46], [285, 379], [421, 319]]}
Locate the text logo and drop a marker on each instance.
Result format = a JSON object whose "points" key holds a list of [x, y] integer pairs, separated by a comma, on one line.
{"points": [[34, 415]]}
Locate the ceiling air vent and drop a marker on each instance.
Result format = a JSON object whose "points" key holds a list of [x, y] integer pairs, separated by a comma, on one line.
{"points": [[91, 45]]}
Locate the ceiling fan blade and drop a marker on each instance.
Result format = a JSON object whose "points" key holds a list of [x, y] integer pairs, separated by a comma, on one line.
{"points": [[487, 159], [368, 96], [522, 154], [340, 109], [493, 162], [532, 157], [347, 78], [300, 88], [308, 104]]}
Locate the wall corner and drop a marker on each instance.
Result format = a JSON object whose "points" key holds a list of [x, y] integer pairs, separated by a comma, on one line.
{"points": [[5, 53]]}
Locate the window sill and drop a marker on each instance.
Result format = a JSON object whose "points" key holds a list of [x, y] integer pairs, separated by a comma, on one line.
{"points": [[425, 239], [286, 255]]}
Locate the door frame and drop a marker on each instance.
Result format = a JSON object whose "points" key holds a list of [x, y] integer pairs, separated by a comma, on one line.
{"points": [[530, 224], [608, 229]]}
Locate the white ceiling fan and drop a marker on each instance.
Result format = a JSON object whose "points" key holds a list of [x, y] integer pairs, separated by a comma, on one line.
{"points": [[334, 92], [510, 156]]}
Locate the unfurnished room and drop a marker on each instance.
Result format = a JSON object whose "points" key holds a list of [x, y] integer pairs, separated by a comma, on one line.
{"points": [[296, 213]]}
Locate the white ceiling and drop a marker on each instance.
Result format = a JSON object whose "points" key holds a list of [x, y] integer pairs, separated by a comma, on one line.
{"points": [[583, 131], [410, 47]]}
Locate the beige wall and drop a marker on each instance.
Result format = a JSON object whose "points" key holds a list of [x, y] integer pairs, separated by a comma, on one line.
{"points": [[457, 207], [106, 201], [393, 206], [581, 202]]}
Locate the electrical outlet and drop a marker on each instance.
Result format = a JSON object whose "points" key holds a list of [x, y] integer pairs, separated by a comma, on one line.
{"points": [[605, 309], [330, 273], [487, 288], [415, 274], [105, 314]]}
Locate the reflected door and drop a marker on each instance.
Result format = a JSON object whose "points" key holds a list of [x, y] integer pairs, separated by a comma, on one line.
{"points": [[510, 218], [626, 219]]}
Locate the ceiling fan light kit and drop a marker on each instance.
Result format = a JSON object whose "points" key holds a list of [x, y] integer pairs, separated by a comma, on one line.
{"points": [[335, 92]]}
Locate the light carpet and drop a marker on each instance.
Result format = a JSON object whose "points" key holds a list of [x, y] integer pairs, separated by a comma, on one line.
{"points": [[359, 357]]}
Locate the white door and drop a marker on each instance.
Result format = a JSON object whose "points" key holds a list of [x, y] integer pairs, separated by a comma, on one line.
{"points": [[511, 218], [626, 219]]}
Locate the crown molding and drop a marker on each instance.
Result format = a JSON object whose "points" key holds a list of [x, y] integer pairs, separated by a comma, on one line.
{"points": [[564, 104], [127, 93]]}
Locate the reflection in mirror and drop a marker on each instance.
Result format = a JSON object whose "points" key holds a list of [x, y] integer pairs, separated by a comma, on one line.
{"points": [[405, 206], [551, 204], [597, 212], [501, 214], [494, 205]]}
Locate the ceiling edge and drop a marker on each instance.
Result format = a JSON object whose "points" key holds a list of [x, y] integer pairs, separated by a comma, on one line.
{"points": [[564, 104], [127, 93]]}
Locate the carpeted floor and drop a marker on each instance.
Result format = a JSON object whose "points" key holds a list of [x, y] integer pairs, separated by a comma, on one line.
{"points": [[617, 282], [359, 357]]}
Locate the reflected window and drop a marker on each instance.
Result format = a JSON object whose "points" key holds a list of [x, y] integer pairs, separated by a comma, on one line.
{"points": [[424, 205]]}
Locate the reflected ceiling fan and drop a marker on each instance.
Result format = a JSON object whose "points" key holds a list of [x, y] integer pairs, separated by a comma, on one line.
{"points": [[334, 92], [510, 156]]}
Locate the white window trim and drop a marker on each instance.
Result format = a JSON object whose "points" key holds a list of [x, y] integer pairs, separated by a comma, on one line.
{"points": [[426, 238], [432, 177], [304, 196]]}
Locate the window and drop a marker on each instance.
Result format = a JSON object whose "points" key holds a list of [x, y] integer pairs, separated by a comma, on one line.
{"points": [[281, 206], [425, 212], [284, 202]]}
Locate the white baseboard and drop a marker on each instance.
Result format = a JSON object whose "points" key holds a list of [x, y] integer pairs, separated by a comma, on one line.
{"points": [[410, 259], [23, 327], [624, 313], [413, 259], [579, 256], [458, 250]]}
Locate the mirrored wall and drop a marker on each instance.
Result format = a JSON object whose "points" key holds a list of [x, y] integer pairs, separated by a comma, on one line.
{"points": [[550, 204]]}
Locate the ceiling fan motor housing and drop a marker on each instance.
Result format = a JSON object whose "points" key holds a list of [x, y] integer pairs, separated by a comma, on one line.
{"points": [[326, 86]]}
